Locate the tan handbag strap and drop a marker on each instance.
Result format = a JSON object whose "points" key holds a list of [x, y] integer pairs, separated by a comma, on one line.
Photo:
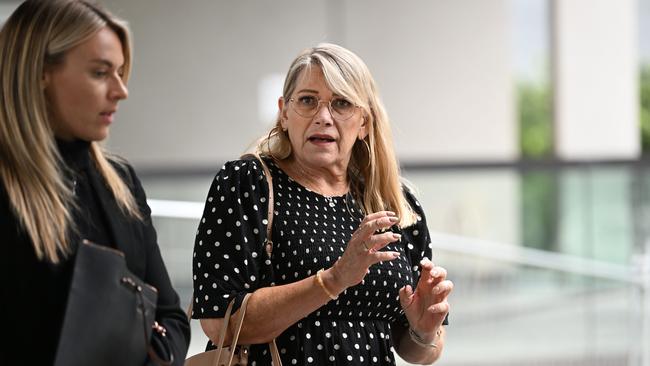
{"points": [[268, 246], [224, 326], [238, 325], [269, 225], [275, 354], [268, 242]]}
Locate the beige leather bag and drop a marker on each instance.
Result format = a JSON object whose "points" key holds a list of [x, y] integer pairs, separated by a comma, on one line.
{"points": [[237, 355], [229, 356]]}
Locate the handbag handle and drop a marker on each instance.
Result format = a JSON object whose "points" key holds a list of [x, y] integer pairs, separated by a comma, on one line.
{"points": [[224, 327]]}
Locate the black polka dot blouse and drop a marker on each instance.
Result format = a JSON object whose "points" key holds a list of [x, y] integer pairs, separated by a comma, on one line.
{"points": [[310, 232]]}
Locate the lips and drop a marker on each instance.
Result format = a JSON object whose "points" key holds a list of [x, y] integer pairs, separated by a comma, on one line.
{"points": [[109, 112], [321, 138], [107, 116]]}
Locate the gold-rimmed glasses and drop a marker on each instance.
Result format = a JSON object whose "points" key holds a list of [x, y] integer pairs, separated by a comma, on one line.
{"points": [[307, 106]]}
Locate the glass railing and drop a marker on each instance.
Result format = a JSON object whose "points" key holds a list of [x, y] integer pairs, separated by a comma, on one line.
{"points": [[550, 265]]}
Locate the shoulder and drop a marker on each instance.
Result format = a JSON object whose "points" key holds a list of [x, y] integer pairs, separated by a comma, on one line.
{"points": [[410, 194], [240, 175], [244, 169], [6, 212], [124, 169], [126, 172]]}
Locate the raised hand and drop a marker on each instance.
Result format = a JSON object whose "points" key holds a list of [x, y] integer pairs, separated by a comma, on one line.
{"points": [[427, 306], [363, 249]]}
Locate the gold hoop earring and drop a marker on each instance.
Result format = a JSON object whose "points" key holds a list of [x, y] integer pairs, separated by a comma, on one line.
{"points": [[367, 149]]}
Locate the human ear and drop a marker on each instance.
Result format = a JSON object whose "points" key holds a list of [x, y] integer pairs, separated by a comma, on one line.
{"points": [[46, 79], [282, 113], [363, 129]]}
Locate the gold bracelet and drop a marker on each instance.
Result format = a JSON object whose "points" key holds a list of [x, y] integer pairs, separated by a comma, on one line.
{"points": [[320, 282], [420, 342]]}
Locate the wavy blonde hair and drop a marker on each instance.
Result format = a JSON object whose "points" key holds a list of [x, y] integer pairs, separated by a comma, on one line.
{"points": [[36, 35], [373, 170]]}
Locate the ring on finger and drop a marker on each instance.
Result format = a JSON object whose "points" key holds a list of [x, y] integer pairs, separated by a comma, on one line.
{"points": [[365, 245]]}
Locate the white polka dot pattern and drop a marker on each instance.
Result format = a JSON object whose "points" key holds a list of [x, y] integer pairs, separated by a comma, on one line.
{"points": [[310, 232]]}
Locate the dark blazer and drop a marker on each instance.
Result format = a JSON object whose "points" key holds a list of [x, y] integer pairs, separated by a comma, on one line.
{"points": [[34, 292]]}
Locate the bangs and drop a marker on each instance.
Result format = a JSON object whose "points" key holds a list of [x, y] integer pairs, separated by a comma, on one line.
{"points": [[341, 80]]}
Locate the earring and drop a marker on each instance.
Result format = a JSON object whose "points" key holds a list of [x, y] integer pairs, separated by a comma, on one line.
{"points": [[367, 146]]}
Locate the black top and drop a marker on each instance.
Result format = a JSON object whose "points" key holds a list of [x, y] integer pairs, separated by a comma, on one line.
{"points": [[34, 292], [310, 232]]}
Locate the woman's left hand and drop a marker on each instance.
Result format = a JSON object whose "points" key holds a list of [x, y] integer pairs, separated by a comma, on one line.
{"points": [[427, 306]]}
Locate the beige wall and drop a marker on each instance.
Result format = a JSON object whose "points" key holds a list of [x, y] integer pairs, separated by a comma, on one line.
{"points": [[442, 67]]}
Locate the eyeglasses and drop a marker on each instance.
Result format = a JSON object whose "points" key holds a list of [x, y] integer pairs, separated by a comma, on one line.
{"points": [[307, 106]]}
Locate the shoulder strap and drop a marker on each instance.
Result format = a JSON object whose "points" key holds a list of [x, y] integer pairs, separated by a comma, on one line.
{"points": [[269, 225], [268, 242]]}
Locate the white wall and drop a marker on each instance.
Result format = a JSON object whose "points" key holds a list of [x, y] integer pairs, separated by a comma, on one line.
{"points": [[441, 66], [444, 70], [596, 78]]}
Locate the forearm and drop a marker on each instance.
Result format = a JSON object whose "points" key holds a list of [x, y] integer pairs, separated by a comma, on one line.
{"points": [[271, 310], [415, 353]]}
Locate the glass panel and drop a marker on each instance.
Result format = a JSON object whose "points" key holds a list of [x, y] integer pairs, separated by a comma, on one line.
{"points": [[506, 311], [531, 52]]}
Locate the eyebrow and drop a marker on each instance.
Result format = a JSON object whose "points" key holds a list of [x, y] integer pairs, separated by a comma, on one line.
{"points": [[308, 91], [315, 92], [104, 62]]}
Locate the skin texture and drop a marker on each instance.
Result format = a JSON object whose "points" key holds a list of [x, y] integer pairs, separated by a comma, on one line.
{"points": [[319, 165], [83, 91]]}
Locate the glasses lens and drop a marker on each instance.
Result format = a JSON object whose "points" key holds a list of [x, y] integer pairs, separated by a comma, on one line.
{"points": [[342, 109], [306, 105]]}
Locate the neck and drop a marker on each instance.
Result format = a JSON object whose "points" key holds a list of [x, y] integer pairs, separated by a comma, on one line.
{"points": [[327, 181]]}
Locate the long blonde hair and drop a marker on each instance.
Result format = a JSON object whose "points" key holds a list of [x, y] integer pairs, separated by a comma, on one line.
{"points": [[373, 170], [36, 35]]}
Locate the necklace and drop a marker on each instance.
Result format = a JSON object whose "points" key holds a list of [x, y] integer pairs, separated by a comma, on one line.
{"points": [[356, 212], [330, 200]]}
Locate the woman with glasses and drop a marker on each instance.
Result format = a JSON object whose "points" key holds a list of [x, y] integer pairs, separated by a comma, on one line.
{"points": [[350, 277], [65, 64]]}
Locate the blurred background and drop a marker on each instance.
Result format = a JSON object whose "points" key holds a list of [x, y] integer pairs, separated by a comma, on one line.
{"points": [[525, 124]]}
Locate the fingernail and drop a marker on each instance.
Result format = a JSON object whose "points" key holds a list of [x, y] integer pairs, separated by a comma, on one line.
{"points": [[395, 255], [390, 213], [393, 219], [397, 236]]}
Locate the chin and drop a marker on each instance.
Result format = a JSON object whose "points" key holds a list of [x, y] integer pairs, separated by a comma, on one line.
{"points": [[95, 137], [101, 135]]}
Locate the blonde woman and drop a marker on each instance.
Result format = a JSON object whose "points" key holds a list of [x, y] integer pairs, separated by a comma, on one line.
{"points": [[350, 277], [64, 68]]}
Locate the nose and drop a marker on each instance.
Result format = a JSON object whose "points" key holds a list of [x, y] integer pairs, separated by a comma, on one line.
{"points": [[118, 90], [324, 115]]}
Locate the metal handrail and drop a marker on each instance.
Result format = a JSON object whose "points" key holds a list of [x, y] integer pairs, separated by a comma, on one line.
{"points": [[538, 258], [633, 274]]}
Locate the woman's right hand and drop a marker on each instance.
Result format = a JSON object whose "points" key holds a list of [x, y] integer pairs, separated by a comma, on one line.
{"points": [[363, 251]]}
